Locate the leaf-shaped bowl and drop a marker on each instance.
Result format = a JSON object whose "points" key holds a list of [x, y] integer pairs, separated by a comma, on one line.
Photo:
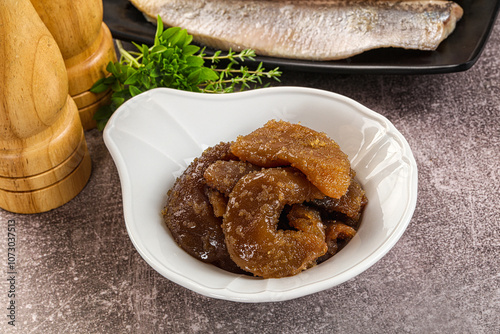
{"points": [[154, 136]]}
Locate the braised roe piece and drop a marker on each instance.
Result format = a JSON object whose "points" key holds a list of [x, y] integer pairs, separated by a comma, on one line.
{"points": [[218, 201], [280, 143], [223, 175], [250, 224], [351, 204], [337, 236], [190, 217], [307, 219]]}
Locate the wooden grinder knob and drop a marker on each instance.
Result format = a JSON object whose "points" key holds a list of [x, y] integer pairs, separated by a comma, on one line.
{"points": [[86, 45], [44, 160]]}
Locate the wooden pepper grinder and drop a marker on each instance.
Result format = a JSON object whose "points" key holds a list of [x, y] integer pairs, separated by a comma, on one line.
{"points": [[86, 45], [44, 161]]}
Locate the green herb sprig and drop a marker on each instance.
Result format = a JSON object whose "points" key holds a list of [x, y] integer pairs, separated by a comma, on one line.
{"points": [[174, 62]]}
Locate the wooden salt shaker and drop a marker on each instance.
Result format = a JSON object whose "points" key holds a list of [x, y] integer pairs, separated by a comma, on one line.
{"points": [[44, 161], [86, 45]]}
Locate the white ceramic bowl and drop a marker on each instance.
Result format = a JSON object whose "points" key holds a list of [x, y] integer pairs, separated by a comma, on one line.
{"points": [[154, 136]]}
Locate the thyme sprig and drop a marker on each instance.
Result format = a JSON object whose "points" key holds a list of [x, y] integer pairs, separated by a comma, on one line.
{"points": [[174, 62]]}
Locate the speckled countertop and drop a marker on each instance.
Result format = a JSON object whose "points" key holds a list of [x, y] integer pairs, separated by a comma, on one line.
{"points": [[78, 271]]}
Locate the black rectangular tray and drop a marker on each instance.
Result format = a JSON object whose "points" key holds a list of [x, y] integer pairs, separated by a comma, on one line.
{"points": [[458, 52]]}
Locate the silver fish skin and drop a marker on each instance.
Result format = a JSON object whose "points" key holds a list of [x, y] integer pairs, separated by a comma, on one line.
{"points": [[309, 29]]}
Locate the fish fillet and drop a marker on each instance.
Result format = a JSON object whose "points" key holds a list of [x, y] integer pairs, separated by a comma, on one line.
{"points": [[309, 29]]}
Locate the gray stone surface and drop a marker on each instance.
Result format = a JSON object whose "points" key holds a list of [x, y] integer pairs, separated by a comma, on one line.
{"points": [[78, 272]]}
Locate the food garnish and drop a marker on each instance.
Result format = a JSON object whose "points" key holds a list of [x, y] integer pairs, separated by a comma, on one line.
{"points": [[174, 62]]}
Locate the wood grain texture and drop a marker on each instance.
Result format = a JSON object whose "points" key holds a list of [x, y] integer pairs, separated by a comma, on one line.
{"points": [[84, 73], [53, 195], [74, 25], [39, 122], [86, 45], [51, 176], [87, 113], [87, 98]]}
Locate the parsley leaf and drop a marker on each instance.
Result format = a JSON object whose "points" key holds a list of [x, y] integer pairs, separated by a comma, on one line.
{"points": [[174, 62]]}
